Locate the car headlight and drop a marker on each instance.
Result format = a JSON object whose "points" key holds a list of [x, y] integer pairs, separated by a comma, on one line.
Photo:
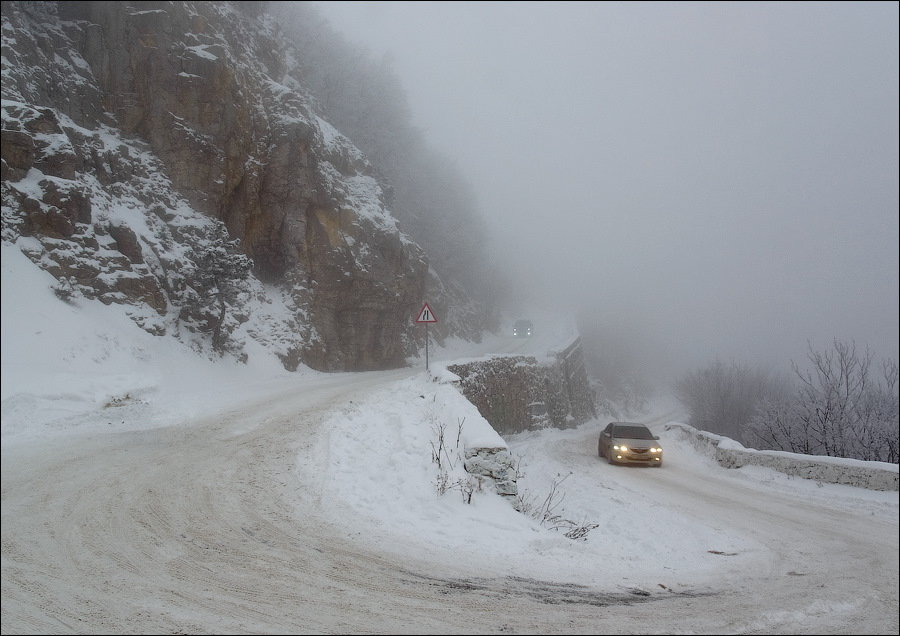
{"points": [[655, 450], [624, 449]]}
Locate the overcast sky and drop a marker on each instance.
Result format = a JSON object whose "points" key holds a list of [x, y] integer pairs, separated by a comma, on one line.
{"points": [[704, 179]]}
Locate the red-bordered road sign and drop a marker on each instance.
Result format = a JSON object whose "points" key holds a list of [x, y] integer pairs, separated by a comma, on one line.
{"points": [[426, 315]]}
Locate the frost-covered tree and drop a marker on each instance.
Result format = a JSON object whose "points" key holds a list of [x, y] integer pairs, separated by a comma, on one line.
{"points": [[841, 409], [217, 282], [723, 397], [620, 395]]}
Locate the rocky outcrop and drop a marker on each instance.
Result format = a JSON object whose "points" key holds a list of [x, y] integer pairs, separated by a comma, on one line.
{"points": [[190, 114], [521, 393], [497, 467]]}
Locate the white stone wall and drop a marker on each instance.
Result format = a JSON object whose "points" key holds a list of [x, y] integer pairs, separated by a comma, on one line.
{"points": [[834, 470]]}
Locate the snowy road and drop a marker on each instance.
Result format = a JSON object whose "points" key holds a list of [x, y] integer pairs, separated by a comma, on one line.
{"points": [[809, 565], [195, 529]]}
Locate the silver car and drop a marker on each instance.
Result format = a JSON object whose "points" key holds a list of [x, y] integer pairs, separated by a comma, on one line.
{"points": [[629, 443]]}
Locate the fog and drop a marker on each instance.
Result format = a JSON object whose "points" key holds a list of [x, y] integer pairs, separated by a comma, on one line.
{"points": [[693, 180]]}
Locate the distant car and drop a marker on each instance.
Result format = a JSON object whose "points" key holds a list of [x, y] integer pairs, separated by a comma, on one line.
{"points": [[523, 329], [629, 443]]}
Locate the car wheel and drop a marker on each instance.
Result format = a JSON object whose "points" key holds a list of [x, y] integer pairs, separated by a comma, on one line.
{"points": [[609, 457]]}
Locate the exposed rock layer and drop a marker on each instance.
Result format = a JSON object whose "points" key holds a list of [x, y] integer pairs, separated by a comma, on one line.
{"points": [[194, 109]]}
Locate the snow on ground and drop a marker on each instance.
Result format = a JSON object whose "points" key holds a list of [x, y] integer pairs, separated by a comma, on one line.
{"points": [[86, 369]]}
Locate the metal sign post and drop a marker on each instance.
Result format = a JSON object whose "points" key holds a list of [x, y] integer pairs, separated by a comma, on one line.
{"points": [[426, 316]]}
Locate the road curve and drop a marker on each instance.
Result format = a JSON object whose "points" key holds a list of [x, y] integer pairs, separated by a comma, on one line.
{"points": [[196, 529], [822, 566]]}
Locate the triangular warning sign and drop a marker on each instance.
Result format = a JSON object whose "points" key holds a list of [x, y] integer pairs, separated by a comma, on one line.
{"points": [[426, 315]]}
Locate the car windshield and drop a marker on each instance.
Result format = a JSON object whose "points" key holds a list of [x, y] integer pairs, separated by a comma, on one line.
{"points": [[632, 432]]}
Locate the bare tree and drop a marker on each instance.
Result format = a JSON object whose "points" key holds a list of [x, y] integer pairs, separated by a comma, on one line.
{"points": [[723, 397], [840, 409], [774, 427]]}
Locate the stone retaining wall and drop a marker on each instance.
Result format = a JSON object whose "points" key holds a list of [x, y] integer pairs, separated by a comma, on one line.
{"points": [[521, 393]]}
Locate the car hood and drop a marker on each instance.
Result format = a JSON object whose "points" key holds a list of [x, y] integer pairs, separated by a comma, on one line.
{"points": [[636, 443]]}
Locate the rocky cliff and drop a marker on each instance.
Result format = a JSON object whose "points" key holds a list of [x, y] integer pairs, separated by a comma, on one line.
{"points": [[138, 136]]}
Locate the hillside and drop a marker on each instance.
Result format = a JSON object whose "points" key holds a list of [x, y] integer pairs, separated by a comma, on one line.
{"points": [[146, 490], [168, 157]]}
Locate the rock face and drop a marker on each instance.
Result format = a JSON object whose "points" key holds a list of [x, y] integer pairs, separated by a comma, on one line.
{"points": [[496, 466], [130, 129]]}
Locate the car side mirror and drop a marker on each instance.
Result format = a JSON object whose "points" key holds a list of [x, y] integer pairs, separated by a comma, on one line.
{"points": [[656, 437], [605, 434]]}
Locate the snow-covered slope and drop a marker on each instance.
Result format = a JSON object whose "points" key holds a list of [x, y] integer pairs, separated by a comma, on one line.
{"points": [[148, 490]]}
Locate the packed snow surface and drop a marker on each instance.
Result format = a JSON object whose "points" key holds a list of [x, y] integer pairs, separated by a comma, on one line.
{"points": [[149, 489]]}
